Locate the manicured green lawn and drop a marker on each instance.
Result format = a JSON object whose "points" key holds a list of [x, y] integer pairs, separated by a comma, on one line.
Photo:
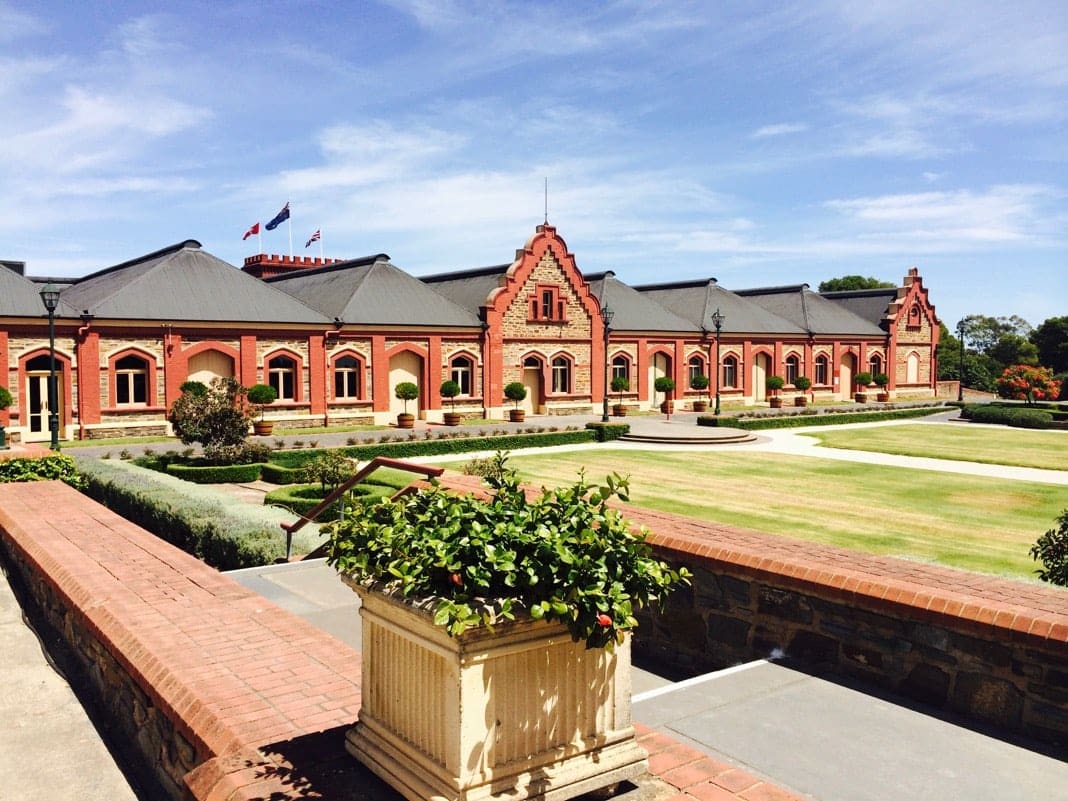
{"points": [[963, 442], [960, 521]]}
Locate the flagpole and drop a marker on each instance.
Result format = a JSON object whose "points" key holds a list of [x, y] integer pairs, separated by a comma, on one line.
{"points": [[289, 226], [259, 239], [320, 244]]}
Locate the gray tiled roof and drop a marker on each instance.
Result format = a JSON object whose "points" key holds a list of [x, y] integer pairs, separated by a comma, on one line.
{"points": [[633, 310], [811, 311], [373, 291], [699, 300], [871, 304], [468, 288], [21, 297], [183, 282]]}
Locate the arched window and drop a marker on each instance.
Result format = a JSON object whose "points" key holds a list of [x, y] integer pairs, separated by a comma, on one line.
{"points": [[822, 371], [462, 371], [730, 371], [695, 367], [793, 368], [282, 375], [131, 381], [915, 317], [621, 367], [875, 364], [561, 375], [348, 378]]}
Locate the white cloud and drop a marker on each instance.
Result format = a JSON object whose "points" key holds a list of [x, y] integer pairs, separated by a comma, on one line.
{"points": [[779, 129], [18, 24]]}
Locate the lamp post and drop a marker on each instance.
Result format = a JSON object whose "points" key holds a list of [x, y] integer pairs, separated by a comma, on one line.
{"points": [[50, 298], [606, 317], [960, 376], [717, 321]]}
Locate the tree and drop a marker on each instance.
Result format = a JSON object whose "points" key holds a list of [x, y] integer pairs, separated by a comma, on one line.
{"points": [[1052, 550], [1011, 348], [848, 282], [1028, 383], [1051, 339], [983, 332], [216, 416]]}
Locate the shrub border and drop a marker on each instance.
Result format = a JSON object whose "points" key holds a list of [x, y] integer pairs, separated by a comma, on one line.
{"points": [[810, 419]]}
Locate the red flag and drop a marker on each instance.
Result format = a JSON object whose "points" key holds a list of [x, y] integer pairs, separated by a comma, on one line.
{"points": [[255, 229]]}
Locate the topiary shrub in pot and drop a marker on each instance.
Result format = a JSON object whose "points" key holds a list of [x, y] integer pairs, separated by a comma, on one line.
{"points": [[620, 384], [450, 389], [463, 617], [774, 384], [881, 380], [700, 383], [517, 393], [666, 386], [862, 381], [262, 395], [5, 401], [406, 391], [802, 383]]}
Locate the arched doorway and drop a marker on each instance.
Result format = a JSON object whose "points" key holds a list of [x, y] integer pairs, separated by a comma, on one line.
{"points": [[846, 370], [37, 411], [208, 365], [761, 368], [659, 367], [405, 366], [534, 381]]}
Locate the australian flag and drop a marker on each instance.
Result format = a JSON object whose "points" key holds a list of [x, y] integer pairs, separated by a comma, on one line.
{"points": [[279, 218]]}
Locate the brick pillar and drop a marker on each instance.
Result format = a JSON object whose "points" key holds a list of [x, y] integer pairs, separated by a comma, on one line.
{"points": [[317, 373], [642, 379], [5, 380], [247, 370], [175, 368], [379, 374], [87, 348], [432, 373], [747, 369]]}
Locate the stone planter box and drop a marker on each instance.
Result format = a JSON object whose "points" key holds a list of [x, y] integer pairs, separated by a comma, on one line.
{"points": [[520, 712]]}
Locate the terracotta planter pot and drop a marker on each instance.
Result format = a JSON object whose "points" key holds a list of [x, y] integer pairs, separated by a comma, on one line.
{"points": [[800, 400], [883, 397], [700, 406], [517, 415], [262, 428], [452, 418], [775, 403], [463, 717], [619, 410], [405, 420], [667, 407], [861, 397]]}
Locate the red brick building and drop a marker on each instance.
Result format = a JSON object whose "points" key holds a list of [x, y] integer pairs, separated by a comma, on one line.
{"points": [[336, 337]]}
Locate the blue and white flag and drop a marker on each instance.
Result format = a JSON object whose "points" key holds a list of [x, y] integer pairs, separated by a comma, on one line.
{"points": [[279, 218]]}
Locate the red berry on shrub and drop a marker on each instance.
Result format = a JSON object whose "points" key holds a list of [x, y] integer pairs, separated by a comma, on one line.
{"points": [[456, 579], [604, 620]]}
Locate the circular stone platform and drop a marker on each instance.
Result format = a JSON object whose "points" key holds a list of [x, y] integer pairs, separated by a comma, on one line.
{"points": [[682, 430]]}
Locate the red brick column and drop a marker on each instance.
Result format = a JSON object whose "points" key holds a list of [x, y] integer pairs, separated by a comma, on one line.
{"points": [[317, 374], [87, 348]]}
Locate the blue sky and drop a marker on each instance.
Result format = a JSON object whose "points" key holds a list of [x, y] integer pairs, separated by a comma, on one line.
{"points": [[760, 144]]}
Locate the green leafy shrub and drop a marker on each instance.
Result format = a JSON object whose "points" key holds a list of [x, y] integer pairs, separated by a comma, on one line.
{"points": [[330, 469], [215, 474], [262, 395], [565, 556], [1016, 417], [406, 391], [699, 382], [620, 384], [803, 383], [274, 473], [217, 417], [774, 382], [515, 392], [606, 432], [862, 380], [54, 467], [1051, 550], [302, 498]]}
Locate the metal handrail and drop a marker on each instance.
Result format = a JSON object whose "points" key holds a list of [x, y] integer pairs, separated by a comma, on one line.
{"points": [[379, 461]]}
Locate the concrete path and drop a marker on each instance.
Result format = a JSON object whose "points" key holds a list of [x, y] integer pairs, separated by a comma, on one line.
{"points": [[818, 738], [49, 748]]}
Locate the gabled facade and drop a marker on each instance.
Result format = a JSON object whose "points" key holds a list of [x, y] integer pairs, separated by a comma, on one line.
{"points": [[336, 337]]}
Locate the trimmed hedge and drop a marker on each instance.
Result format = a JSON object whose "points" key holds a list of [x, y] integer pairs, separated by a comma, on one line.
{"points": [[198, 519], [1015, 416], [606, 432], [274, 473], [216, 474], [436, 447], [812, 418], [302, 498]]}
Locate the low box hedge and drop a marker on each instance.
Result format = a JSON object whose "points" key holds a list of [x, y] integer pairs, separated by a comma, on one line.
{"points": [[274, 473], [302, 498], [606, 432], [1015, 416], [812, 418], [216, 474]]}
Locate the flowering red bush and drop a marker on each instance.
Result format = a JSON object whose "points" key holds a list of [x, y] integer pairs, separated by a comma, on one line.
{"points": [[1024, 382]]}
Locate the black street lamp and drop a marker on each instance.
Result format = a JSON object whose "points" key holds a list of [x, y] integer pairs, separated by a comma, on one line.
{"points": [[606, 317], [50, 298], [717, 321], [960, 376]]}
